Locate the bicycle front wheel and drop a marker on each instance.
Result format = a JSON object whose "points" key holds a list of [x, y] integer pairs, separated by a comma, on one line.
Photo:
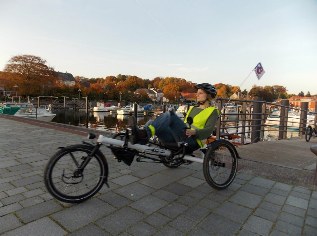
{"points": [[66, 182], [220, 164], [308, 133]]}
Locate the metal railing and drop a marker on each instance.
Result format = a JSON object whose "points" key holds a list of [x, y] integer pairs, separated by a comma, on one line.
{"points": [[254, 120]]}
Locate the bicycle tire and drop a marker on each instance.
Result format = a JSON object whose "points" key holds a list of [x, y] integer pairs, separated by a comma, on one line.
{"points": [[77, 188], [215, 164], [308, 133]]}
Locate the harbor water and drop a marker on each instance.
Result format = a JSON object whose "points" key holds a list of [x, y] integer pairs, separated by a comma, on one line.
{"points": [[101, 120]]}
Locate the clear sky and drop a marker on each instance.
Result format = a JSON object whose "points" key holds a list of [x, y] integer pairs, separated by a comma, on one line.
{"points": [[198, 40]]}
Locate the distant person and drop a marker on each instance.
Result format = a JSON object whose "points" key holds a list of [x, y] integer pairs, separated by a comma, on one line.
{"points": [[170, 129]]}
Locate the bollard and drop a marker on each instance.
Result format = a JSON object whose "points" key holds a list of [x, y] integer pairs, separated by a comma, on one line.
{"points": [[219, 121], [315, 121], [243, 121], [256, 121], [87, 117], [135, 111], [164, 108], [303, 117], [282, 132], [263, 117]]}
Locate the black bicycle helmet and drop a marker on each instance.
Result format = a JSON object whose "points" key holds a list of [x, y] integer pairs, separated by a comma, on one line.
{"points": [[208, 88]]}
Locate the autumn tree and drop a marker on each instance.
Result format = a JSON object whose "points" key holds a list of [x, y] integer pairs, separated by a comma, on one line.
{"points": [[142, 97], [168, 80], [37, 77], [171, 91], [279, 91], [244, 93], [235, 89], [173, 87], [147, 83], [121, 77], [262, 93], [301, 94], [10, 82], [131, 83], [268, 94], [255, 91], [110, 88], [185, 86], [223, 90], [156, 82]]}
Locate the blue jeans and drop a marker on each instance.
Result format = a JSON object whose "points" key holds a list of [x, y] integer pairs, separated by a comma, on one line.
{"points": [[170, 130]]}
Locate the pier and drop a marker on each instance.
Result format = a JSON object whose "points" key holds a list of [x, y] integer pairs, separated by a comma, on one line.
{"points": [[274, 192]]}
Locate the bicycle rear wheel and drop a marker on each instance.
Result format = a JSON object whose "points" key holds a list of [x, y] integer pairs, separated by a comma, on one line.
{"points": [[220, 164], [308, 133], [66, 182]]}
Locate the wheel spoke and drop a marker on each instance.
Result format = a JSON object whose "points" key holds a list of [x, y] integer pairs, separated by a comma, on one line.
{"points": [[69, 184], [220, 164], [74, 159]]}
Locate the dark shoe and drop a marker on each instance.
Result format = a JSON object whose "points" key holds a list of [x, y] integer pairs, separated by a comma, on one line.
{"points": [[138, 135]]}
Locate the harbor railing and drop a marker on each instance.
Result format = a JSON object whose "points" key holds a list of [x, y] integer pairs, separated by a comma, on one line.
{"points": [[253, 121]]}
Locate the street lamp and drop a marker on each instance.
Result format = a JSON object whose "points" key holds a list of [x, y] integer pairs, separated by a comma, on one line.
{"points": [[119, 104], [16, 89], [64, 101], [86, 109], [79, 91]]}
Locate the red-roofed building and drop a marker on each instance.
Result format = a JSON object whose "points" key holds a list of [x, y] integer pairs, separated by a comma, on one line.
{"points": [[296, 101]]}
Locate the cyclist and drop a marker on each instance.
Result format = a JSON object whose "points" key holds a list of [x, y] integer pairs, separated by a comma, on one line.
{"points": [[170, 129]]}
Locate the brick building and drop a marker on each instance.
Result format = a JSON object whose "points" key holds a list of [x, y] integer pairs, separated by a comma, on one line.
{"points": [[296, 101]]}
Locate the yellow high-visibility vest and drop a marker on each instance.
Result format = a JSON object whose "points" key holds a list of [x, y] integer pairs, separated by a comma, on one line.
{"points": [[200, 119]]}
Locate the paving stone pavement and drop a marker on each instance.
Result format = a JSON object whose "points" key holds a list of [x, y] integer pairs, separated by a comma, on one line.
{"points": [[143, 199]]}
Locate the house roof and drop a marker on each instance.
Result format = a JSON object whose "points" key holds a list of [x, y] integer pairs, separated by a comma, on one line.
{"points": [[299, 98]]}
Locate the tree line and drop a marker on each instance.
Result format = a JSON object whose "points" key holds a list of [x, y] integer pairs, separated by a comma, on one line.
{"points": [[29, 75]]}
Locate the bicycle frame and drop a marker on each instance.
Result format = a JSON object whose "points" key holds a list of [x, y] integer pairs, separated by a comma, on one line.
{"points": [[143, 149], [219, 170]]}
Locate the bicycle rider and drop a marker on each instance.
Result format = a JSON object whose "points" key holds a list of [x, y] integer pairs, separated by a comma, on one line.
{"points": [[170, 129]]}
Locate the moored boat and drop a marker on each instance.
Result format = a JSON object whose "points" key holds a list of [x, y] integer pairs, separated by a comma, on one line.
{"points": [[126, 110], [101, 107], [230, 112], [9, 108], [293, 119], [29, 111]]}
